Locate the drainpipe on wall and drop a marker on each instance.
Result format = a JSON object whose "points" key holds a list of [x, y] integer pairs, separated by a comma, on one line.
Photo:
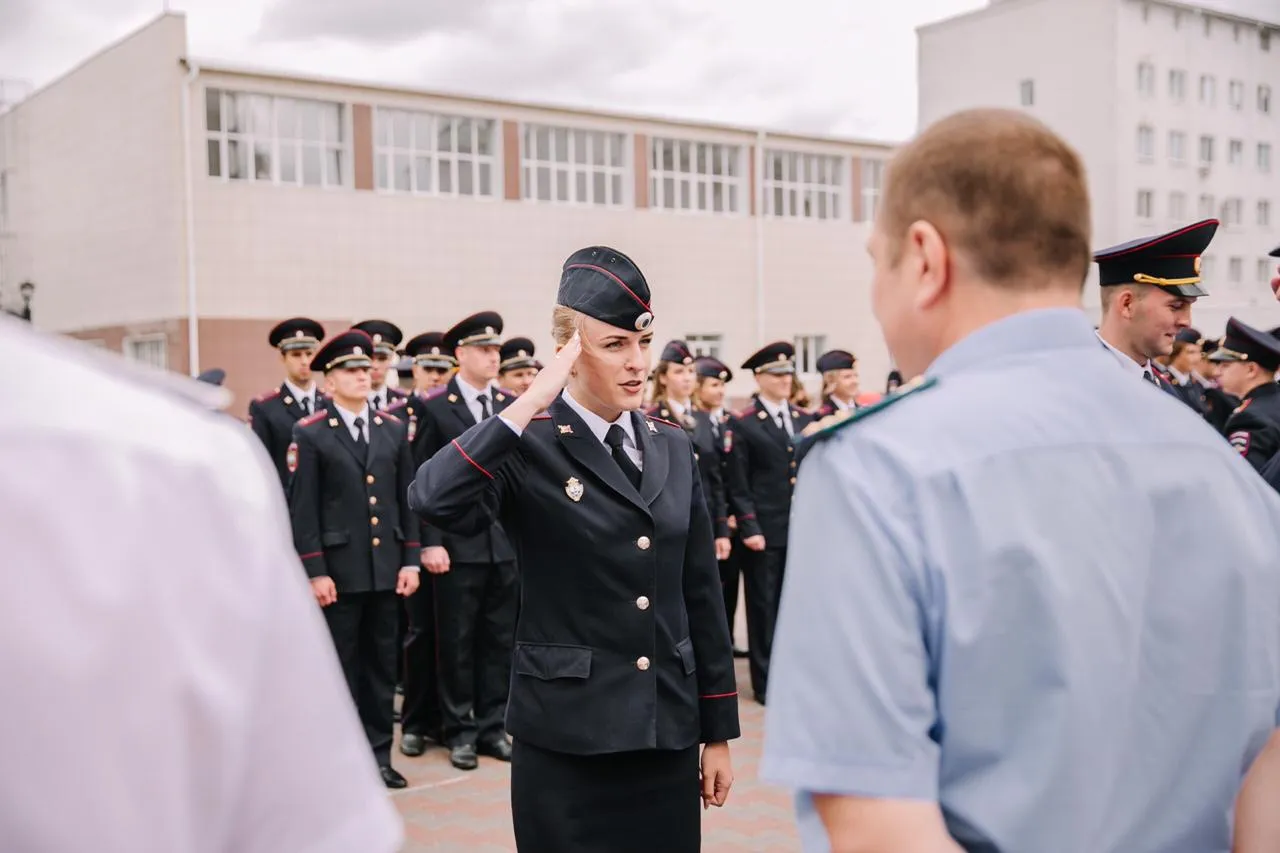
{"points": [[193, 319], [760, 237]]}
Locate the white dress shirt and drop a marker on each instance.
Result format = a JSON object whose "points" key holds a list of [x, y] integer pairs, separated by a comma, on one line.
{"points": [[172, 673], [349, 418], [471, 396], [1126, 362], [774, 408], [299, 395], [599, 428], [380, 398]]}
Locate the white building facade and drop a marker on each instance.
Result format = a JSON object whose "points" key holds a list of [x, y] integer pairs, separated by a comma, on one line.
{"points": [[175, 209], [1174, 108]]}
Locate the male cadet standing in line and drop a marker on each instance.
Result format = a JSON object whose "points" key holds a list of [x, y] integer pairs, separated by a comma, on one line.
{"points": [[352, 528], [474, 576], [273, 415], [764, 451], [386, 338], [1216, 404], [991, 637], [1249, 360], [1148, 288], [517, 366], [420, 713]]}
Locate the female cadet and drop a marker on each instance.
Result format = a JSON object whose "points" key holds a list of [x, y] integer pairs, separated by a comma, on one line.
{"points": [[623, 664], [672, 401]]}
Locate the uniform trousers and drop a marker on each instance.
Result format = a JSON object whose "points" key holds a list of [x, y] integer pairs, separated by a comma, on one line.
{"points": [[364, 626], [730, 572], [420, 714], [762, 588], [624, 802], [475, 619]]}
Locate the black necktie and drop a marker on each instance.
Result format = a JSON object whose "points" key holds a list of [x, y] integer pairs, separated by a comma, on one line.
{"points": [[377, 402], [484, 406], [615, 438], [782, 422], [306, 405], [359, 422], [1146, 374]]}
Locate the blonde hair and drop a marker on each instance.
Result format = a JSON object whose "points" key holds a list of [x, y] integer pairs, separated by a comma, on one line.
{"points": [[564, 322], [658, 383]]}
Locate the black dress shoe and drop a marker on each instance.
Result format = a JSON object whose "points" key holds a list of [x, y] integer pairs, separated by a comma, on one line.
{"points": [[392, 778], [464, 757], [413, 745], [499, 749]]}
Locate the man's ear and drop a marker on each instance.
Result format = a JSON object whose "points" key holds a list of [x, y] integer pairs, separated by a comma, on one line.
{"points": [[926, 260]]}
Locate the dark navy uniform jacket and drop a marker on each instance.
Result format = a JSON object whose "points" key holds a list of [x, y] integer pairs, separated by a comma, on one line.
{"points": [[271, 417], [622, 642], [351, 521], [765, 457], [1254, 427], [708, 454]]}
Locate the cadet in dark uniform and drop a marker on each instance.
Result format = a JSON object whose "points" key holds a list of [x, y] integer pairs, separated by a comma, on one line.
{"points": [[273, 415], [1249, 360], [474, 574], [420, 715], [622, 664], [354, 532], [764, 452], [676, 367], [386, 338], [1216, 404], [839, 382], [517, 366]]}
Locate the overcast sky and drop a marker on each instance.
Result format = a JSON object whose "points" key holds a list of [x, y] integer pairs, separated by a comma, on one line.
{"points": [[819, 66]]}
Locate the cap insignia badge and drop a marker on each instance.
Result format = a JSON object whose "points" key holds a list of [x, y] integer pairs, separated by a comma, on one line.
{"points": [[565, 429]]}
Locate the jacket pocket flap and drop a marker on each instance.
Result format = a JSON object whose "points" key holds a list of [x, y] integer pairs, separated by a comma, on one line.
{"points": [[685, 648], [334, 537], [552, 661]]}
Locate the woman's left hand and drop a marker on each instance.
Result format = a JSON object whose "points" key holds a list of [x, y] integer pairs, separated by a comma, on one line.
{"points": [[717, 774]]}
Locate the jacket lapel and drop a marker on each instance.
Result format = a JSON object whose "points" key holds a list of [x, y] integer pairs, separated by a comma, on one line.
{"points": [[336, 424], [590, 453], [776, 432], [291, 404], [653, 446], [459, 405]]}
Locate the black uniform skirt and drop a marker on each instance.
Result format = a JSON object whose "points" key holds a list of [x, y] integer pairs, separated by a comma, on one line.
{"points": [[623, 802]]}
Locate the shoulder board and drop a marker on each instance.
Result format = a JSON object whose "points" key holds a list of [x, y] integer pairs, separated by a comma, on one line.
{"points": [[746, 412], [436, 392], [268, 395], [664, 421], [1240, 408], [384, 414], [508, 392], [391, 407], [543, 416], [312, 418], [833, 423]]}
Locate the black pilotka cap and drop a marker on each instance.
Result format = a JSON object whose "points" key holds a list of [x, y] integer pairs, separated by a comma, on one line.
{"points": [[1245, 343], [777, 357], [836, 359], [713, 368], [516, 354], [352, 348], [605, 284], [296, 333], [483, 329], [1170, 261], [386, 336], [1189, 335], [428, 350], [677, 352], [1275, 253]]}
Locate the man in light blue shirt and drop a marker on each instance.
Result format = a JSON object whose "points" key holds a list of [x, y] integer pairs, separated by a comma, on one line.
{"points": [[991, 636]]}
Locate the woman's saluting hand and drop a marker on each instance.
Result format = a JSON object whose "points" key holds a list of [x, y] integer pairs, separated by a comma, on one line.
{"points": [[546, 386]]}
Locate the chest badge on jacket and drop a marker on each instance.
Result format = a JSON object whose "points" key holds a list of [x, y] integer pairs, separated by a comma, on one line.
{"points": [[573, 488]]}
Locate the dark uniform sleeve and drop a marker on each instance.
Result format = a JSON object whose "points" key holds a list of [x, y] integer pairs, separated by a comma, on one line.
{"points": [[260, 425], [304, 505], [1254, 437], [462, 487], [716, 502], [708, 628], [1271, 472], [741, 504], [408, 521], [428, 444]]}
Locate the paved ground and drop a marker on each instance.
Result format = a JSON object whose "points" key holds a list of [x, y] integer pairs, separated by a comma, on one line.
{"points": [[449, 810]]}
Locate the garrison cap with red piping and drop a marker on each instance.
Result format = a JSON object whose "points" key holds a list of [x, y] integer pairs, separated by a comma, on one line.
{"points": [[605, 284], [677, 352], [836, 359], [1169, 261], [712, 368]]}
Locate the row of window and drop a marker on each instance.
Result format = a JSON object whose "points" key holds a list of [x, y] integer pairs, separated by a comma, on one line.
{"points": [[1211, 24], [302, 142], [1208, 89], [1231, 211], [1176, 149]]}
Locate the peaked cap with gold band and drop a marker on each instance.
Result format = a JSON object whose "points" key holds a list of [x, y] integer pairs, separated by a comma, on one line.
{"points": [[1245, 343], [353, 348], [386, 336], [517, 354], [777, 357], [296, 333], [427, 350], [1170, 261], [605, 284], [483, 329]]}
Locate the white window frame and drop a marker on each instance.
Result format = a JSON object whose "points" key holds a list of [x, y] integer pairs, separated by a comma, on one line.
{"points": [[1145, 205], [1264, 213], [394, 152], [705, 344], [1208, 89], [1208, 263], [1235, 270], [813, 185], [1177, 205], [616, 195], [1177, 147], [1235, 94], [1027, 93], [1235, 152], [1146, 143], [808, 347], [1177, 84], [129, 347], [1263, 157], [1232, 212], [723, 169], [1146, 78], [1206, 150], [272, 110], [1264, 99], [870, 187]]}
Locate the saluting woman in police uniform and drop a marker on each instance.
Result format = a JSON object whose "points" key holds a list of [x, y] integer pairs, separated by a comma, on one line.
{"points": [[623, 664]]}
